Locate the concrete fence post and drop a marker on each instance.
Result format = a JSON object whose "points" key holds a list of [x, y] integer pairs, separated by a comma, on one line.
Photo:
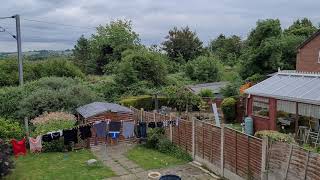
{"points": [[26, 126], [264, 153], [170, 128], [222, 150], [193, 138], [141, 113]]}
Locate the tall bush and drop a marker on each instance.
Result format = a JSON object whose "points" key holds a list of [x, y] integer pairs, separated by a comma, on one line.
{"points": [[228, 107], [10, 129], [6, 163], [145, 101]]}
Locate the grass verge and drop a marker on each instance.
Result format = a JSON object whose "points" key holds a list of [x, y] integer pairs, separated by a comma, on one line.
{"points": [[152, 159], [69, 165]]}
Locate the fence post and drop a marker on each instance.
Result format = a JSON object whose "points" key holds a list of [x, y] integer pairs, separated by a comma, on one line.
{"points": [[288, 162], [193, 138], [26, 125], [171, 132], [141, 113], [264, 153], [222, 150]]}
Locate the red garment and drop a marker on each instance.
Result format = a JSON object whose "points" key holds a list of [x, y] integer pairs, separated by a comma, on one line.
{"points": [[19, 147]]}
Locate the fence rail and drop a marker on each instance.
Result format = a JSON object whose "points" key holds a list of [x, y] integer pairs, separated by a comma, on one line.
{"points": [[235, 155]]}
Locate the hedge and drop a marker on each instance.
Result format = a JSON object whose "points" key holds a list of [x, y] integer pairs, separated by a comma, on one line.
{"points": [[228, 107], [146, 102]]}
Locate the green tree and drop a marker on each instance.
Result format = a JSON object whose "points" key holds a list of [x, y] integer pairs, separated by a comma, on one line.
{"points": [[263, 51], [141, 65], [111, 40], [82, 56], [182, 43], [227, 49], [203, 69], [303, 27]]}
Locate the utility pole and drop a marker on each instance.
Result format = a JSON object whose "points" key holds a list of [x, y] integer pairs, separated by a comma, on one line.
{"points": [[18, 38]]}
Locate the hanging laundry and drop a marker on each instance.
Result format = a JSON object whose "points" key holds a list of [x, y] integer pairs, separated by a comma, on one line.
{"points": [[137, 130], [47, 137], [159, 124], [114, 134], [19, 147], [151, 125], [56, 135], [128, 128], [85, 132], [70, 135], [143, 129], [35, 144], [100, 129], [114, 126]]}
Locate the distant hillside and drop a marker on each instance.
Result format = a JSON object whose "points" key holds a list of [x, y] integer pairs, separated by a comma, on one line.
{"points": [[38, 55]]}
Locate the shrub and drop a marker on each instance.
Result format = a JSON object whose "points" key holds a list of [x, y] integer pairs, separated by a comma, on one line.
{"points": [[145, 101], [6, 163], [203, 69], [275, 136], [206, 93], [36, 70], [228, 107], [53, 146], [53, 122], [157, 140], [10, 129]]}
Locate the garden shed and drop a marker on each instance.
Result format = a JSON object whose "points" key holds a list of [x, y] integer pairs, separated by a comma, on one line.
{"points": [[286, 101], [103, 111]]}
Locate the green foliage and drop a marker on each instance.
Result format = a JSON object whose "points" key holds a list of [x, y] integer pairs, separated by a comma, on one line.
{"points": [[256, 78], [228, 107], [141, 64], [36, 70], [227, 49], [182, 44], [145, 101], [275, 136], [82, 56], [203, 69], [178, 79], [157, 140], [53, 146], [41, 129], [10, 129], [6, 163], [206, 93], [303, 27], [110, 41], [181, 98], [46, 94]]}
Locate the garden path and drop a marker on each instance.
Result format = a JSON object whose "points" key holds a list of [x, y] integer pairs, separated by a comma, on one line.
{"points": [[114, 157]]}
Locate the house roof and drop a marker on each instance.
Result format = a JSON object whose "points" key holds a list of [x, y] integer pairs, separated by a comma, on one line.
{"points": [[290, 85], [214, 87], [308, 39], [97, 108]]}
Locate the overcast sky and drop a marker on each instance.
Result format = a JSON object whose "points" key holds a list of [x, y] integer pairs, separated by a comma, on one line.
{"points": [[151, 18]]}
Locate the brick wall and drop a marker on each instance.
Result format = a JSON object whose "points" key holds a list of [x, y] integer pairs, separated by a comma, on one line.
{"points": [[307, 56]]}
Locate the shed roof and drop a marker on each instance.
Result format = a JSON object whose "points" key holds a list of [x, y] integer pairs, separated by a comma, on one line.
{"points": [[96, 108], [291, 86], [214, 87]]}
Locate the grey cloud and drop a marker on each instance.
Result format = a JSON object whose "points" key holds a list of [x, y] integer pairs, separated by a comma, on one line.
{"points": [[151, 18]]}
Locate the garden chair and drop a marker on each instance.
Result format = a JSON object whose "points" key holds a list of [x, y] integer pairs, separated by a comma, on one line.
{"points": [[313, 137]]}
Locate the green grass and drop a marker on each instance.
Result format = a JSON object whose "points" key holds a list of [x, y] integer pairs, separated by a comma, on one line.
{"points": [[236, 126], [47, 166], [152, 159]]}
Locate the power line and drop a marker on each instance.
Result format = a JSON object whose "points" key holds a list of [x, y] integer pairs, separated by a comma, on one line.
{"points": [[2, 29], [52, 23]]}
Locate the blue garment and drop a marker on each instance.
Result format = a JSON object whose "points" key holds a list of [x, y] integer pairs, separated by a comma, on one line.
{"points": [[143, 130], [100, 129], [114, 134], [128, 129]]}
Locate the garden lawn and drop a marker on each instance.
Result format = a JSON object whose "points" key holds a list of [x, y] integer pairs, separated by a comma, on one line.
{"points": [[69, 165], [152, 159]]}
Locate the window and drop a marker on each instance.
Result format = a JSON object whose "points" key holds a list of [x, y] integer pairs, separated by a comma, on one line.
{"points": [[260, 106], [319, 56]]}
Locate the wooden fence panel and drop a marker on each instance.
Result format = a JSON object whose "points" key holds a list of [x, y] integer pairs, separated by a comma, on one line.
{"points": [[230, 150]]}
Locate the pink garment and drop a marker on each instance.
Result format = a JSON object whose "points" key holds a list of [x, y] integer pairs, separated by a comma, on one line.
{"points": [[35, 144]]}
